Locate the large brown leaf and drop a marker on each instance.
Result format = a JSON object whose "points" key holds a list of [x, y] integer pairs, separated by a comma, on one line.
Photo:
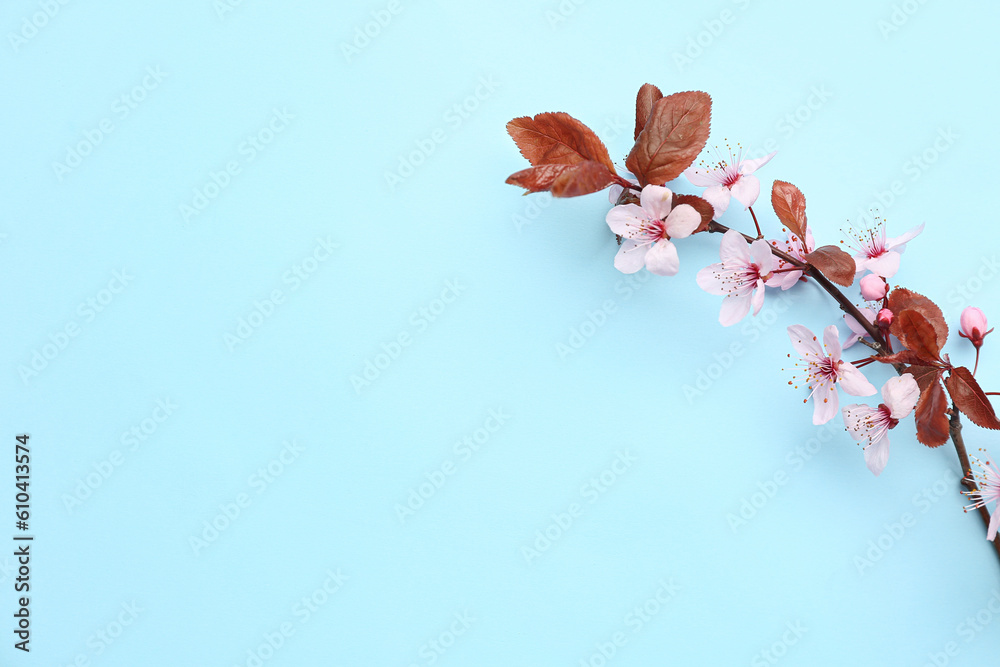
{"points": [[925, 375], [835, 264], [790, 206], [540, 178], [901, 299], [644, 101], [583, 179], [672, 138], [697, 203], [932, 421], [917, 334], [970, 398], [557, 138]]}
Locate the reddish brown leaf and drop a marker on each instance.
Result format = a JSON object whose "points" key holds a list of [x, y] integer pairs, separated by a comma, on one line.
{"points": [[901, 299], [917, 334], [970, 398], [644, 101], [583, 179], [538, 179], [557, 138], [790, 206], [835, 264], [904, 357], [700, 205], [925, 375], [932, 422], [674, 135]]}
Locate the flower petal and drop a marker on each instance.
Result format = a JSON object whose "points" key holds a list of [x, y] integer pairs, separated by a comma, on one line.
{"points": [[805, 343], [885, 265], [614, 192], [709, 280], [760, 250], [682, 221], [758, 297], [854, 382], [746, 190], [734, 309], [877, 455], [750, 166], [656, 201], [662, 259], [718, 196], [831, 339], [703, 178], [855, 416], [900, 395], [631, 256], [894, 242], [621, 219], [734, 249], [991, 531], [826, 400]]}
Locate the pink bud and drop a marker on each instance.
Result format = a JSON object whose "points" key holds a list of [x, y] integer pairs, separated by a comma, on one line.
{"points": [[873, 288], [974, 326], [884, 318]]}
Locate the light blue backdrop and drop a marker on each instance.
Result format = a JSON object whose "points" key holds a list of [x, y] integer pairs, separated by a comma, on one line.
{"points": [[219, 251]]}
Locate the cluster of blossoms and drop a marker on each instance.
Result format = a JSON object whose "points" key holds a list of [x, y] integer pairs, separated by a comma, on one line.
{"points": [[902, 328]]}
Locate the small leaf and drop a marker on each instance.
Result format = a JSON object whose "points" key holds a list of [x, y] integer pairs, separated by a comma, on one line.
{"points": [[835, 264], [583, 179], [901, 299], [932, 421], [557, 138], [917, 334], [970, 398], [790, 206], [925, 375], [644, 101], [905, 357], [698, 204], [674, 135], [538, 179]]}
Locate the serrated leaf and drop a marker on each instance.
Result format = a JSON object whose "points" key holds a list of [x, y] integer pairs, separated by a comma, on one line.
{"points": [[917, 334], [582, 179], [971, 399], [930, 416], [705, 209], [674, 135], [905, 357], [834, 263], [644, 101], [557, 138], [540, 178], [925, 375], [789, 205], [902, 299]]}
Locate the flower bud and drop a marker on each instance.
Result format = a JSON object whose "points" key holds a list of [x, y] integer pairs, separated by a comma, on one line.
{"points": [[873, 287], [973, 326], [884, 318]]}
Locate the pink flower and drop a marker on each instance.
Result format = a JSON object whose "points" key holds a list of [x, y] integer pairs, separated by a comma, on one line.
{"points": [[988, 482], [876, 252], [872, 425], [857, 331], [884, 318], [798, 250], [824, 370], [739, 277], [647, 230], [974, 326], [732, 178], [873, 287]]}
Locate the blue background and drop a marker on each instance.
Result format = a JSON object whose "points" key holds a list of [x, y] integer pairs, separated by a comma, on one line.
{"points": [[849, 94]]}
